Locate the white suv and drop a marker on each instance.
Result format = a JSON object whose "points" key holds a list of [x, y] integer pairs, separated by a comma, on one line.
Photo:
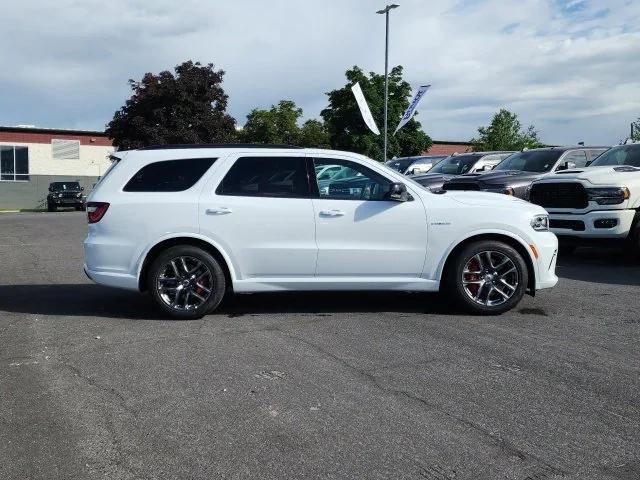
{"points": [[189, 223]]}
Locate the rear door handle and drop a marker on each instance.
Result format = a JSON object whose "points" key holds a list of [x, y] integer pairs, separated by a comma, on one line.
{"points": [[218, 211], [332, 213]]}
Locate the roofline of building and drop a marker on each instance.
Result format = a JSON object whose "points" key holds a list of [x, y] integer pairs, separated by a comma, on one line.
{"points": [[451, 142], [53, 131]]}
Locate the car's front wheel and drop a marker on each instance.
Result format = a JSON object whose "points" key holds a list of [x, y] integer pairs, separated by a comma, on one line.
{"points": [[487, 277], [186, 282]]}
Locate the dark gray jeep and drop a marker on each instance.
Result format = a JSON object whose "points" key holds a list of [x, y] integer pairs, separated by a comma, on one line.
{"points": [[516, 173], [66, 194]]}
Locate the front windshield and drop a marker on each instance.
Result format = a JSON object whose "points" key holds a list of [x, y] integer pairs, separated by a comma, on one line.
{"points": [[456, 165], [60, 186], [622, 155], [531, 161]]}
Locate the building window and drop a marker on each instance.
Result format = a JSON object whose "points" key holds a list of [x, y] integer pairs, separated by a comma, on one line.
{"points": [[14, 163], [65, 149]]}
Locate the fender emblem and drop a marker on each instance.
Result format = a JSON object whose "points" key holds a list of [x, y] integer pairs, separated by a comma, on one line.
{"points": [[440, 223]]}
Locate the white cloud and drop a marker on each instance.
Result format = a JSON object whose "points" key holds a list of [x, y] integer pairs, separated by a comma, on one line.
{"points": [[569, 67]]}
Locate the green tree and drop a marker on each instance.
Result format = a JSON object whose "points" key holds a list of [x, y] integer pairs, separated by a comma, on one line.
{"points": [[347, 130], [314, 134], [279, 124], [635, 134], [505, 133], [186, 107]]}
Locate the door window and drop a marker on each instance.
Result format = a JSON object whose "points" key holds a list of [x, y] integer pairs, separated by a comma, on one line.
{"points": [[576, 157], [351, 181], [266, 177]]}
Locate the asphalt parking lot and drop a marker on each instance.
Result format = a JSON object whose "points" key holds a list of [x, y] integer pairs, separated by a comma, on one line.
{"points": [[95, 385]]}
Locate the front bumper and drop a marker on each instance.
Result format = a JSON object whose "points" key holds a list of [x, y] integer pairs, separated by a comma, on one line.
{"points": [[584, 225], [546, 244]]}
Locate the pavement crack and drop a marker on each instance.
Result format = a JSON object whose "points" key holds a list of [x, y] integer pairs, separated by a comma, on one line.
{"points": [[503, 444]]}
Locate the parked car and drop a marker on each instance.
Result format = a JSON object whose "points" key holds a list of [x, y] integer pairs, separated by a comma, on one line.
{"points": [[599, 203], [515, 174], [189, 224], [65, 194], [456, 165], [414, 165]]}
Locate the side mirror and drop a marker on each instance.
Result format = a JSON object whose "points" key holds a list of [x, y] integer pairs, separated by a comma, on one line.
{"points": [[50, 189], [410, 172], [482, 168], [398, 192]]}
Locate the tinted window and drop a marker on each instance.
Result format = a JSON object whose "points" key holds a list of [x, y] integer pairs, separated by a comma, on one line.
{"points": [[169, 175], [14, 163], [456, 165], [60, 186], [266, 177], [531, 161], [622, 155], [352, 182]]}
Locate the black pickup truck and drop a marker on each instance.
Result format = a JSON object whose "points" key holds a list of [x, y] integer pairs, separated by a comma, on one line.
{"points": [[66, 194]]}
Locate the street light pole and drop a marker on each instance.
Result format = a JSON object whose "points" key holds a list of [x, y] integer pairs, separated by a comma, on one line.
{"points": [[385, 11]]}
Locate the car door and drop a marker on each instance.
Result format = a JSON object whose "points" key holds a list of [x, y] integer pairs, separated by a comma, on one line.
{"points": [[361, 233], [260, 211]]}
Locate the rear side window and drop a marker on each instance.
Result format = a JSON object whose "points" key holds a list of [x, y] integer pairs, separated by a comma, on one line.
{"points": [[169, 175], [266, 177]]}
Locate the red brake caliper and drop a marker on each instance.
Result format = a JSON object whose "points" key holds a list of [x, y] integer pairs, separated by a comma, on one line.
{"points": [[474, 265]]}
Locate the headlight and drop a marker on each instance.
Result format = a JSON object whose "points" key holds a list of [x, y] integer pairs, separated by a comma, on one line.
{"points": [[540, 223], [608, 196], [59, 195]]}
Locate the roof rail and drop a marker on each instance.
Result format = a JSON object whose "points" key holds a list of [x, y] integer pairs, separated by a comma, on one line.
{"points": [[218, 145]]}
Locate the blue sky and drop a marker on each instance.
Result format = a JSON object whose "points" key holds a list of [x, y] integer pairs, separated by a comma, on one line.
{"points": [[570, 67]]}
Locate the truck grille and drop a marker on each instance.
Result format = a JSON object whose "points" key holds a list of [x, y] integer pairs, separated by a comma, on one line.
{"points": [[559, 195], [461, 186]]}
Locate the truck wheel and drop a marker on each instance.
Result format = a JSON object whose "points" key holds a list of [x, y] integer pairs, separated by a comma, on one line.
{"points": [[186, 282], [632, 243], [51, 207], [487, 277]]}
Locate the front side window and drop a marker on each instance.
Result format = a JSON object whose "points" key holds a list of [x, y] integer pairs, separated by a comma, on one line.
{"points": [[284, 177], [576, 157], [14, 163], [623, 155], [531, 161], [352, 181], [169, 175]]}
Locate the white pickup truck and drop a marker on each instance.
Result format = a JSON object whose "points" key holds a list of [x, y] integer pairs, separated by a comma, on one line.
{"points": [[597, 203]]}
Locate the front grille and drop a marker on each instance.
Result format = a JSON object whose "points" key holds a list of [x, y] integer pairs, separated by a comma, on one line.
{"points": [[559, 195], [69, 194], [461, 186], [575, 225]]}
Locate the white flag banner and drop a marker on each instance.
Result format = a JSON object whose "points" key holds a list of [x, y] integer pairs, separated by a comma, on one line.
{"points": [[364, 108], [412, 107]]}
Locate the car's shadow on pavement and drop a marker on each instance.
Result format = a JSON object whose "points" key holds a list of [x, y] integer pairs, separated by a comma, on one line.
{"points": [[95, 300], [599, 265]]}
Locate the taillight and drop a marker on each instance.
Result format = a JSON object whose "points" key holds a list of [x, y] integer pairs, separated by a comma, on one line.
{"points": [[96, 210]]}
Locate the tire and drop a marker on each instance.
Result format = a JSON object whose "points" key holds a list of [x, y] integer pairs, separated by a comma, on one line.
{"points": [[565, 250], [51, 207], [632, 243], [184, 300], [482, 281]]}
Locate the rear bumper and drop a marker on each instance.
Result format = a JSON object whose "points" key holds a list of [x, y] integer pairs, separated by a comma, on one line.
{"points": [[623, 218], [111, 279]]}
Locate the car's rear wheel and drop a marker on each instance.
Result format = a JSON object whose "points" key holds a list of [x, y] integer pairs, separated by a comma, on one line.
{"points": [[186, 282], [51, 207], [487, 277]]}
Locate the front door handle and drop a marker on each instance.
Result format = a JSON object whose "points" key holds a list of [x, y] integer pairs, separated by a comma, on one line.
{"points": [[218, 211], [332, 213]]}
